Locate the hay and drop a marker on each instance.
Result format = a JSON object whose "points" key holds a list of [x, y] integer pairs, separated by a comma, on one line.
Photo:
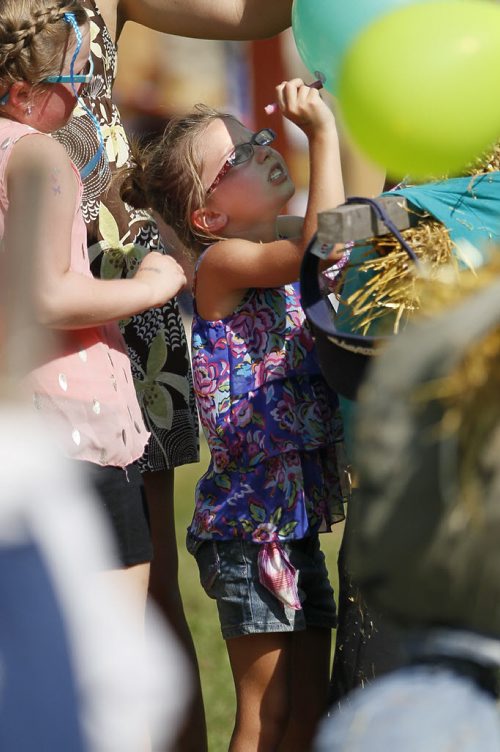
{"points": [[392, 285], [469, 393], [487, 162], [471, 416]]}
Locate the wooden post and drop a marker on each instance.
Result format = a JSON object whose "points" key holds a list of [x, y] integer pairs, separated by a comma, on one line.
{"points": [[268, 70]]}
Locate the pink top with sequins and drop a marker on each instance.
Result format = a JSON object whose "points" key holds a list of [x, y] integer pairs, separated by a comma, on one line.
{"points": [[86, 391]]}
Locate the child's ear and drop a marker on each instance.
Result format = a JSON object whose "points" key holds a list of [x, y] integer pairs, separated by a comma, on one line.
{"points": [[20, 93], [209, 220]]}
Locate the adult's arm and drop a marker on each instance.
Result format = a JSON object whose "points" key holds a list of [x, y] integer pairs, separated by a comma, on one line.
{"points": [[207, 19]]}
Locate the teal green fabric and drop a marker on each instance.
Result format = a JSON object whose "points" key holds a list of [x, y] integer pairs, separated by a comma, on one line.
{"points": [[469, 207]]}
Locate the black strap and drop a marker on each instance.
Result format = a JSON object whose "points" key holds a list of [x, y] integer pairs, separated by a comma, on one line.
{"points": [[485, 677], [314, 304]]}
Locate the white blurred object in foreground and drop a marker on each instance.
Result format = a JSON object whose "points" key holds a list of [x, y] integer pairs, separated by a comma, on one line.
{"points": [[125, 686]]}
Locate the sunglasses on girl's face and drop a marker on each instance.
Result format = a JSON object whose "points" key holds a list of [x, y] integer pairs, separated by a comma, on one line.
{"points": [[77, 78], [242, 153], [85, 77]]}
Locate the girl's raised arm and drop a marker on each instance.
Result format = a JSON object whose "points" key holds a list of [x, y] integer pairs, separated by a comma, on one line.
{"points": [[65, 299], [303, 106], [236, 264]]}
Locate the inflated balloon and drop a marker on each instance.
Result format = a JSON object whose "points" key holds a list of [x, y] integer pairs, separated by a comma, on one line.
{"points": [[419, 88], [324, 29]]}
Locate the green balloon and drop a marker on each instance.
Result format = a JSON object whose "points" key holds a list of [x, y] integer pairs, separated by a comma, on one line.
{"points": [[323, 31], [420, 88]]}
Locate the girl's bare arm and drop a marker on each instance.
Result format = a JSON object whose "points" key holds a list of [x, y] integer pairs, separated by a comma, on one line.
{"points": [[64, 298]]}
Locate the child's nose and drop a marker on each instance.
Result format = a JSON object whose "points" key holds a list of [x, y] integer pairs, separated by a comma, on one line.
{"points": [[261, 153]]}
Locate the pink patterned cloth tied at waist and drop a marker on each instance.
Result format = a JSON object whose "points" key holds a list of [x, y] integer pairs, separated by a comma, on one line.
{"points": [[278, 575]]}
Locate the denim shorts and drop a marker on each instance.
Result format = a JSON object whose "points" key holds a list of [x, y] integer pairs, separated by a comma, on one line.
{"points": [[229, 575]]}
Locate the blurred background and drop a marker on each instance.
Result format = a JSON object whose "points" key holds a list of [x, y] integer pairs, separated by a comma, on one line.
{"points": [[158, 76]]}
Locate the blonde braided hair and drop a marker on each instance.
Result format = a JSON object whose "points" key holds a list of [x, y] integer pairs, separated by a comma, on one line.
{"points": [[32, 35]]}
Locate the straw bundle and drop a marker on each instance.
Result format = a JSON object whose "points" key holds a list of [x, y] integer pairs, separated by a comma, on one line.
{"points": [[392, 279], [391, 287]]}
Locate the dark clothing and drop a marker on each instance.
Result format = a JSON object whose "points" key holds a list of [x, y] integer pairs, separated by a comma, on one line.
{"points": [[118, 238]]}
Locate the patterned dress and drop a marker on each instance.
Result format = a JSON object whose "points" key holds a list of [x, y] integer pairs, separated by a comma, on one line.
{"points": [[118, 238], [271, 423]]}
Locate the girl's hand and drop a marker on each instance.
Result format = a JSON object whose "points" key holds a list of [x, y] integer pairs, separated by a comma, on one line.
{"points": [[163, 275], [303, 105]]}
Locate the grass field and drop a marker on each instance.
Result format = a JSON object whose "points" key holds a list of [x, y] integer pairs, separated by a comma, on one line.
{"points": [[202, 614]]}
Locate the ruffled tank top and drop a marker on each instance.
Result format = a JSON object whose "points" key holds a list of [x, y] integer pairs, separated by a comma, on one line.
{"points": [[248, 364]]}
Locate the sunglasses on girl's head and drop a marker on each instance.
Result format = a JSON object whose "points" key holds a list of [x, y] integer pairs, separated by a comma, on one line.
{"points": [[242, 153]]}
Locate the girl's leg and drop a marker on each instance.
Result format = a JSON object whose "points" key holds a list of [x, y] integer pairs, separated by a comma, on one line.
{"points": [[164, 588], [260, 665], [310, 669]]}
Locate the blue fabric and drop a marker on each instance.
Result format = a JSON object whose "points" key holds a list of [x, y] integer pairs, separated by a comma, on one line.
{"points": [[229, 573], [418, 709], [38, 697], [271, 423]]}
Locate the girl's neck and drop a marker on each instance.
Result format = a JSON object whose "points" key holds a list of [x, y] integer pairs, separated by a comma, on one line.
{"points": [[5, 116], [259, 232]]}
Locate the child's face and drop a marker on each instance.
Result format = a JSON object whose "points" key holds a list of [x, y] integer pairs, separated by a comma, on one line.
{"points": [[261, 184], [53, 103]]}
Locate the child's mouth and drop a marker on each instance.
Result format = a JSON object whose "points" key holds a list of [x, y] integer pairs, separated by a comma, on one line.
{"points": [[277, 174]]}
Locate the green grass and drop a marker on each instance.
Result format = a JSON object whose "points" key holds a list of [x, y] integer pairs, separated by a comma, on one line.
{"points": [[201, 612]]}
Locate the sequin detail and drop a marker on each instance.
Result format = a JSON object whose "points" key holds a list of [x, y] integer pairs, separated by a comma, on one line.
{"points": [[72, 391]]}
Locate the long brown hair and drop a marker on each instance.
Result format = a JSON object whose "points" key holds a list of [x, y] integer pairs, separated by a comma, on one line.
{"points": [[166, 174], [32, 35]]}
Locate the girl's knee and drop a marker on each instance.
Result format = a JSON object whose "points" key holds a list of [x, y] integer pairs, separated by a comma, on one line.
{"points": [[264, 730], [263, 715], [275, 708]]}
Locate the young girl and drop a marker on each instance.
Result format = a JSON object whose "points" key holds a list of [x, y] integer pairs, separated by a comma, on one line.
{"points": [[267, 413], [84, 389]]}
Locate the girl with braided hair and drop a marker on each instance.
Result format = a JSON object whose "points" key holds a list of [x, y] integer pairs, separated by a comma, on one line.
{"points": [[84, 389]]}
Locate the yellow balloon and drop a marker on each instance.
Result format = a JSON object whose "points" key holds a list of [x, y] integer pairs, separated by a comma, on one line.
{"points": [[419, 88]]}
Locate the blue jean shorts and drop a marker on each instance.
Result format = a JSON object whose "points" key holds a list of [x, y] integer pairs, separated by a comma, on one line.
{"points": [[229, 575]]}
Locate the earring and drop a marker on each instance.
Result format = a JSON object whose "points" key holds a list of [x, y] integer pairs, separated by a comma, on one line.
{"points": [[29, 110]]}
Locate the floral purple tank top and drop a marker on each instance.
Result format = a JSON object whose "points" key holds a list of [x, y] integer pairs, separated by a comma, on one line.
{"points": [[271, 423]]}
